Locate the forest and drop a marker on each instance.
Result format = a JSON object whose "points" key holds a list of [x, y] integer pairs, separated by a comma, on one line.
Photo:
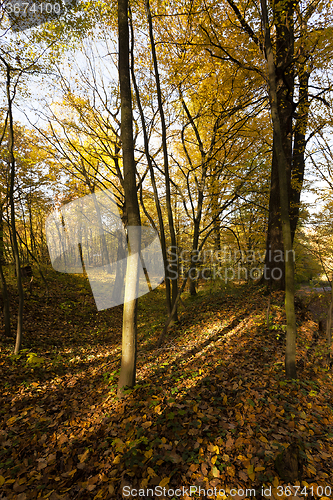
{"points": [[166, 266]]}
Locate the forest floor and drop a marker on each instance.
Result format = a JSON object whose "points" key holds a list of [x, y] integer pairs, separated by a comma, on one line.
{"points": [[211, 409]]}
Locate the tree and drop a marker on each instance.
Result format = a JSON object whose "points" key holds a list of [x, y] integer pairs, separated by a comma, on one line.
{"points": [[10, 93], [290, 357], [3, 203], [301, 50], [172, 268], [129, 332]]}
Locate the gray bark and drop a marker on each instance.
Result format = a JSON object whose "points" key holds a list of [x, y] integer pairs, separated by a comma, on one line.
{"points": [[290, 355], [129, 330]]}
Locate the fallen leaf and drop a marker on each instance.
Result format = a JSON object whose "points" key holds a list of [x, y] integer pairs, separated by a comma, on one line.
{"points": [[145, 425], [151, 472], [164, 482], [215, 472]]}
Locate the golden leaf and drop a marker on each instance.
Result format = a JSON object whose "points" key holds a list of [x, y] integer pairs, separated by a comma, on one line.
{"points": [[144, 483], [263, 439], [215, 472], [84, 456], [151, 472], [2, 480], [12, 420], [148, 453], [311, 469], [164, 482], [250, 469]]}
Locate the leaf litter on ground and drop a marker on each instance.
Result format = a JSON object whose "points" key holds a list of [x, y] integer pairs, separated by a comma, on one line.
{"points": [[211, 407]]}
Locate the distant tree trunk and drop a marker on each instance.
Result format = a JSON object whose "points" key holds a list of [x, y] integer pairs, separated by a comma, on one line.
{"points": [[129, 332], [104, 246], [290, 355], [4, 291], [217, 234], [195, 244], [119, 279], [37, 262]]}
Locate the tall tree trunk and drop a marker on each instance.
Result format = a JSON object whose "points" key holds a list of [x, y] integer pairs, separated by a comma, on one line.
{"points": [[284, 77], [282, 162], [295, 154], [298, 163], [4, 291], [16, 255], [329, 325], [153, 182], [200, 184], [215, 208], [172, 267], [129, 331]]}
